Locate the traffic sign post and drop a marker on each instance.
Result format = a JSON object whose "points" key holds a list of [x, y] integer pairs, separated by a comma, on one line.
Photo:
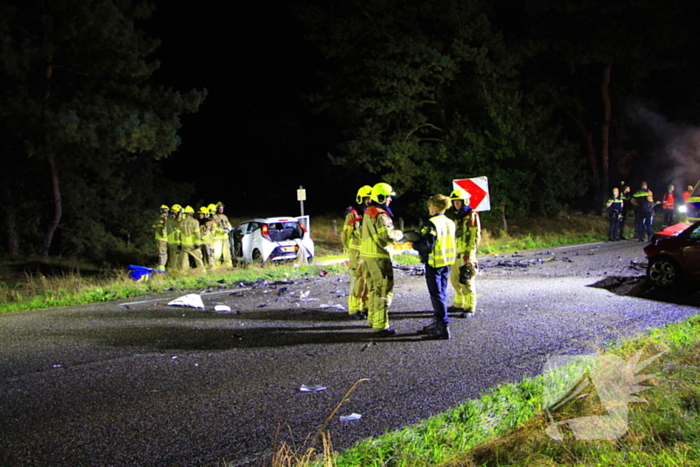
{"points": [[478, 189], [301, 197]]}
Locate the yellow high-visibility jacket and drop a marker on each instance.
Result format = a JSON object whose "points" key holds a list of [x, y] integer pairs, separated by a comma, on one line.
{"points": [[377, 233]]}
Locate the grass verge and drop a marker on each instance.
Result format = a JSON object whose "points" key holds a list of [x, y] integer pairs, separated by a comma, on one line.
{"points": [[507, 426]]}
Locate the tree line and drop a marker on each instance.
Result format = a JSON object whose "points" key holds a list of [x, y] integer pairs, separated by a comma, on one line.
{"points": [[537, 95]]}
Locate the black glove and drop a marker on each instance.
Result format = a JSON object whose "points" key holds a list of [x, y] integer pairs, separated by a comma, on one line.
{"points": [[179, 248]]}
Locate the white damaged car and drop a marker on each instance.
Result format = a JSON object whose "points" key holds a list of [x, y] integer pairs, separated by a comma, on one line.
{"points": [[272, 239]]}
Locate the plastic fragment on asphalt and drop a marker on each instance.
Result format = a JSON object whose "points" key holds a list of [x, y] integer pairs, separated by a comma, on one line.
{"points": [[222, 308], [190, 300], [337, 306], [314, 388], [323, 273], [351, 417]]}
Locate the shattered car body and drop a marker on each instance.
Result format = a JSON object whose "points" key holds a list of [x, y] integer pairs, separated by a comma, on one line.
{"points": [[271, 239], [673, 259]]}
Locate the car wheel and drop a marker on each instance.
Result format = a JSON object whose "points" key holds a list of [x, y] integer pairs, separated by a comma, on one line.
{"points": [[664, 272], [257, 256]]}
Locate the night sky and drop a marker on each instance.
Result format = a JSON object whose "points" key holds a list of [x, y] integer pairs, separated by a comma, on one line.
{"points": [[253, 142]]}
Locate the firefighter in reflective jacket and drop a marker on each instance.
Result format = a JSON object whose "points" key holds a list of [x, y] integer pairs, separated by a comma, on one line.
{"points": [[206, 227], [161, 236], [351, 238], [191, 240], [222, 248], [437, 250], [172, 229], [468, 237], [377, 233]]}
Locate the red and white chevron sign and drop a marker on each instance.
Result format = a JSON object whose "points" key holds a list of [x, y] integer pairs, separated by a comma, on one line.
{"points": [[478, 189]]}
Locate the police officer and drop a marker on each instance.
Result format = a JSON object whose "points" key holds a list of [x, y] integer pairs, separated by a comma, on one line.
{"points": [[643, 200], [614, 206], [351, 238], [378, 232], [437, 250], [468, 237]]}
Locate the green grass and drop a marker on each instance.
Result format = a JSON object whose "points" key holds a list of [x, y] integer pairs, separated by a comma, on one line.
{"points": [[506, 426], [57, 282], [46, 292]]}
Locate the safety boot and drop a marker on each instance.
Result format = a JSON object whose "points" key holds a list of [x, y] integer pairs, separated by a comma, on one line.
{"points": [[439, 333], [429, 328]]}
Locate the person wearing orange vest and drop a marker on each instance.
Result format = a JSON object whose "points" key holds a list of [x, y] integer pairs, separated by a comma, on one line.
{"points": [[668, 204], [437, 250], [351, 238], [191, 240], [378, 233]]}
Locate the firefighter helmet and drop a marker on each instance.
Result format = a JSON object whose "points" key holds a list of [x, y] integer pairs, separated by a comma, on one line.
{"points": [[164, 208], [176, 208], [381, 191], [459, 195], [189, 210], [212, 208], [204, 210], [364, 192]]}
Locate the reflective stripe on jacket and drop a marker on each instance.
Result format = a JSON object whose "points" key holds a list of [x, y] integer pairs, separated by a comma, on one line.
{"points": [[191, 235], [351, 236], [377, 233], [444, 251]]}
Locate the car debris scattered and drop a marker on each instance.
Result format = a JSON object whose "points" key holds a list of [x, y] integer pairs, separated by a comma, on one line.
{"points": [[189, 300], [314, 388], [351, 417]]}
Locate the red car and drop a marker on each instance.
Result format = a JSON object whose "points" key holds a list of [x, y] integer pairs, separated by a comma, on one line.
{"points": [[673, 259]]}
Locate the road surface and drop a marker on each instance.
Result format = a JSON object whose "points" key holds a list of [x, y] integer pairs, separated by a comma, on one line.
{"points": [[140, 383]]}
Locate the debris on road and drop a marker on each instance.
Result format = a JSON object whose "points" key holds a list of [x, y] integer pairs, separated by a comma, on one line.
{"points": [[351, 417], [222, 308], [190, 300], [337, 306], [314, 388]]}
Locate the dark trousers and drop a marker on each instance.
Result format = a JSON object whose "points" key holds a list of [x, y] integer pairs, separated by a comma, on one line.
{"points": [[614, 229], [644, 226], [437, 279], [668, 217]]}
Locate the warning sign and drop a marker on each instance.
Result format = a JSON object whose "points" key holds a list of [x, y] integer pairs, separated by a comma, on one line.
{"points": [[478, 190]]}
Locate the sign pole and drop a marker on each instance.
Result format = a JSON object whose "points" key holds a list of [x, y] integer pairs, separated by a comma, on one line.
{"points": [[301, 197]]}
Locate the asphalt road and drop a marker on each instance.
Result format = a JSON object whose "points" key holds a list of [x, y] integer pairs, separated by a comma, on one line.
{"points": [[140, 383]]}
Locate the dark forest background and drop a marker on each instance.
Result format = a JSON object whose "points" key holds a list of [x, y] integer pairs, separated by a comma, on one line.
{"points": [[111, 108]]}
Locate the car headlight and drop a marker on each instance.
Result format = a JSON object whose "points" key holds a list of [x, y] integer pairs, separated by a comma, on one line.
{"points": [[682, 209]]}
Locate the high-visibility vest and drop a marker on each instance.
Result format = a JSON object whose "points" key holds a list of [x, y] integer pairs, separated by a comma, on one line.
{"points": [[159, 229], [222, 225], [191, 235], [351, 237], [444, 251], [377, 233], [669, 201], [172, 229]]}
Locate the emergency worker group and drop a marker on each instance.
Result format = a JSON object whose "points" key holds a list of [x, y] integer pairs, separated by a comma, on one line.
{"points": [[185, 242], [447, 246], [623, 202]]}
